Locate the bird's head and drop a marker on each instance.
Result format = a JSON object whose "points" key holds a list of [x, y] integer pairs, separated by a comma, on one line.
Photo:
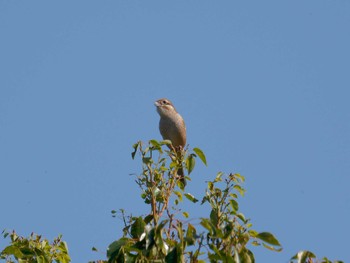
{"points": [[164, 107]]}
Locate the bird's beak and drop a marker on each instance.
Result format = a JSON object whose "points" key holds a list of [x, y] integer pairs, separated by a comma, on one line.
{"points": [[156, 103]]}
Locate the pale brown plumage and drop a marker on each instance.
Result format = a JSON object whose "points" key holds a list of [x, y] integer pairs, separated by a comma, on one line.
{"points": [[171, 124], [172, 127]]}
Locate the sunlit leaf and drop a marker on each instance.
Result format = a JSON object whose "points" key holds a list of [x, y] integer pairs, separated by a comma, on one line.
{"points": [[155, 143], [13, 250], [191, 197], [241, 177], [303, 256], [253, 233], [201, 155], [208, 225], [255, 243], [218, 177], [156, 191], [178, 194], [210, 186], [185, 214], [239, 189], [166, 142], [236, 256]]}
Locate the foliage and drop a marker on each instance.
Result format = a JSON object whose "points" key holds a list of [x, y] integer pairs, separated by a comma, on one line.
{"points": [[34, 249], [309, 257], [161, 235], [165, 234]]}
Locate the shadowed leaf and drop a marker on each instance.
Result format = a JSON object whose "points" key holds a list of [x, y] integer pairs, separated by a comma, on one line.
{"points": [[268, 238]]}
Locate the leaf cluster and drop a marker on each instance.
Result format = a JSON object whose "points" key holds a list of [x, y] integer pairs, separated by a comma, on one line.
{"points": [[309, 257], [228, 230], [166, 233], [164, 236], [34, 249]]}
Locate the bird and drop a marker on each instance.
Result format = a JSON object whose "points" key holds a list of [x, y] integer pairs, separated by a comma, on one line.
{"points": [[172, 127]]}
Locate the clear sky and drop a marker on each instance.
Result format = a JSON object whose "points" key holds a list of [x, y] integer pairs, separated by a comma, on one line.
{"points": [[264, 88]]}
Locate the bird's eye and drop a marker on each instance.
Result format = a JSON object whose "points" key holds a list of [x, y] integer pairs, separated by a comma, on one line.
{"points": [[165, 102]]}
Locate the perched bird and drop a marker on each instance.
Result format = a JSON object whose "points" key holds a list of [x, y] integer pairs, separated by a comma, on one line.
{"points": [[172, 127], [171, 124]]}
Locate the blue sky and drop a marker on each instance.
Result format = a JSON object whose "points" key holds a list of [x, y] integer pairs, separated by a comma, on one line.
{"points": [[263, 86]]}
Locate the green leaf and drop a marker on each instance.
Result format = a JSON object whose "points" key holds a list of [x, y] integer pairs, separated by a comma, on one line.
{"points": [[268, 238], [209, 226], [115, 247], [255, 243], [172, 256], [246, 256], [252, 233], [241, 177], [234, 205], [148, 219], [239, 189], [178, 194], [63, 247], [272, 248], [138, 227], [5, 233], [191, 235], [214, 217], [12, 250], [242, 217], [236, 256], [201, 155], [185, 214], [210, 186], [228, 229], [303, 256], [156, 191], [166, 142], [191, 197], [135, 146], [190, 163], [155, 143], [218, 177], [147, 160]]}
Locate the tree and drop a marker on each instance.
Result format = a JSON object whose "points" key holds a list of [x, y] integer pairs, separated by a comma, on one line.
{"points": [[34, 249], [162, 236], [165, 234]]}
